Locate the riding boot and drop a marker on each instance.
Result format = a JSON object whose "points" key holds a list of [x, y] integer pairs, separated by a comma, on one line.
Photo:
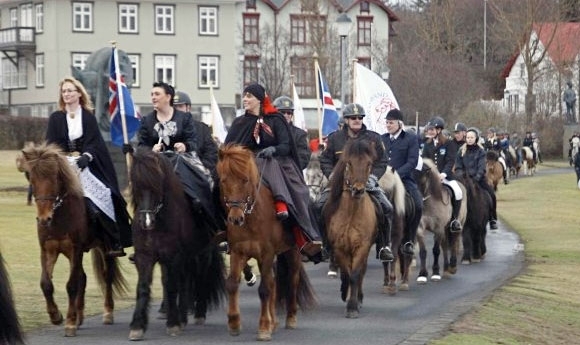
{"points": [[385, 253], [281, 210], [311, 249], [249, 276], [505, 178], [112, 235], [455, 225]]}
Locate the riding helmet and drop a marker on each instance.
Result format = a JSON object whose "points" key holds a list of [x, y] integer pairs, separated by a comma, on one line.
{"points": [[181, 98], [394, 114], [437, 122], [491, 130], [284, 103], [460, 127], [474, 130], [353, 109]]}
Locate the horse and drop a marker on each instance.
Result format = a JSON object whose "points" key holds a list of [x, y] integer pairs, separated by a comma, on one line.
{"points": [[404, 215], [515, 165], [10, 328], [167, 231], [529, 162], [64, 227], [436, 217], [479, 207], [493, 169], [351, 220], [315, 179], [253, 231]]}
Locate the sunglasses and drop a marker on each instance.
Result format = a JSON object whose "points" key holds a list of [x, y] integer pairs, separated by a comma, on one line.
{"points": [[355, 117]]}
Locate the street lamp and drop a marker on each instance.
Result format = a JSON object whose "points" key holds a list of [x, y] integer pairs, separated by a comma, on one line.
{"points": [[343, 23]]}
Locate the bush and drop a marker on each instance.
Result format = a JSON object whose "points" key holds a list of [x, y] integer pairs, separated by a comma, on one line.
{"points": [[16, 131]]}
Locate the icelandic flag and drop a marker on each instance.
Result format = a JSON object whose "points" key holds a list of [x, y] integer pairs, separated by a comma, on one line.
{"points": [[329, 113], [298, 110], [120, 105]]}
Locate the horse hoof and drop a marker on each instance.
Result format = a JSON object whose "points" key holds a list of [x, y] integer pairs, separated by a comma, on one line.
{"points": [[56, 320], [108, 319], [435, 278], [136, 334], [332, 274], [234, 332], [422, 280], [465, 262], [264, 336], [351, 314], [173, 331], [404, 287], [70, 331], [199, 321], [291, 323], [391, 290], [476, 261]]}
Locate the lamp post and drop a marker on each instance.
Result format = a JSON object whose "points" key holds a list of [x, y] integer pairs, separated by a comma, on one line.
{"points": [[343, 23]]}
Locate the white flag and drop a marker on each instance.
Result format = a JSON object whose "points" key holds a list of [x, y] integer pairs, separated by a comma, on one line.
{"points": [[217, 122], [376, 97], [298, 120]]}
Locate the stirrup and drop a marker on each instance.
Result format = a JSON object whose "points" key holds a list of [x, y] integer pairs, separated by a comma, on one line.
{"points": [[252, 280], [493, 224], [409, 248], [386, 254], [455, 226], [282, 215]]}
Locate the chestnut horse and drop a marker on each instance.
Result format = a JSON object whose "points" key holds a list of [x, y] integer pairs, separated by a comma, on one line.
{"points": [[167, 231], [10, 328], [436, 217], [351, 220], [493, 169], [253, 231], [64, 228]]}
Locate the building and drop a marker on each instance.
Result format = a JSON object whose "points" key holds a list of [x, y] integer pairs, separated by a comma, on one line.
{"points": [[192, 44]]}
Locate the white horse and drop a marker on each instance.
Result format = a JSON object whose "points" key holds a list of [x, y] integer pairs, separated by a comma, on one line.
{"points": [[528, 161], [315, 179]]}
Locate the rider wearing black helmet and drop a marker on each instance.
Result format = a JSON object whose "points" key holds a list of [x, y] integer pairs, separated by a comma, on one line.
{"points": [[443, 151], [285, 105], [354, 129]]}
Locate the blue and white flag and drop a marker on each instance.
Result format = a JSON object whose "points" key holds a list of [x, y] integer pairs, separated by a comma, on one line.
{"points": [[124, 119], [329, 113]]}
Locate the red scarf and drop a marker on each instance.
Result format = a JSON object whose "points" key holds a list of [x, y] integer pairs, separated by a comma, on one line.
{"points": [[268, 108]]}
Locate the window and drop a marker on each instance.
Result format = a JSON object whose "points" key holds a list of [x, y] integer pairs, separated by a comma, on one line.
{"points": [[297, 30], [13, 17], [208, 71], [82, 16], [39, 17], [208, 21], [26, 15], [522, 70], [251, 4], [14, 77], [128, 18], [364, 7], [304, 29], [365, 61], [364, 25], [135, 66], [79, 60], [303, 71], [164, 19], [251, 28], [40, 70], [251, 70], [165, 69], [514, 103]]}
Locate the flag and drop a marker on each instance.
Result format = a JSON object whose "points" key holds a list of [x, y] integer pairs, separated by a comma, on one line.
{"points": [[120, 105], [217, 122], [299, 120], [376, 97], [329, 113]]}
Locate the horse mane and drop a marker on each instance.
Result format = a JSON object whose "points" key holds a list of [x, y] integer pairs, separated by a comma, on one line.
{"points": [[435, 188], [46, 161], [392, 184], [353, 148], [238, 161], [492, 155]]}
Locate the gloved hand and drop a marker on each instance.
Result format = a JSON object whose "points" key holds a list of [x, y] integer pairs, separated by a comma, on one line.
{"points": [[83, 161], [267, 153], [128, 148], [372, 182]]}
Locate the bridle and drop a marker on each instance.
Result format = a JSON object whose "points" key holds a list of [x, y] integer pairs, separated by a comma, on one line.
{"points": [[248, 204], [58, 200]]}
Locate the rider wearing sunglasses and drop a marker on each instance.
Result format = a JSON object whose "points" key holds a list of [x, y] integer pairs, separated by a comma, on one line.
{"points": [[354, 129]]}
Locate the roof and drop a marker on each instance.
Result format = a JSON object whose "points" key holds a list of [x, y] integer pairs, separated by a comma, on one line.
{"points": [[341, 5], [564, 47]]}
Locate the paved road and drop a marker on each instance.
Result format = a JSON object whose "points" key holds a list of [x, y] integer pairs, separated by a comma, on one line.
{"points": [[410, 317]]}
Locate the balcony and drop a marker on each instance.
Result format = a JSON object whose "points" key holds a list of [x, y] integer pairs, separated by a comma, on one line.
{"points": [[17, 39]]}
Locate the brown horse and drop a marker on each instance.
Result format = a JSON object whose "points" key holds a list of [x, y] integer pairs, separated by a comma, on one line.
{"points": [[493, 169], [529, 162], [64, 228], [351, 220], [403, 215], [10, 328], [436, 217], [253, 231]]}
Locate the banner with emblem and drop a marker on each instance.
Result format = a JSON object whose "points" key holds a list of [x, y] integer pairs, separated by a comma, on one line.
{"points": [[375, 95]]}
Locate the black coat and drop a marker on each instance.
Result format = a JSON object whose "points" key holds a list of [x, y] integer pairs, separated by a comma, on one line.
{"points": [[402, 154], [338, 139], [443, 155], [303, 151], [184, 131], [207, 148], [471, 160]]}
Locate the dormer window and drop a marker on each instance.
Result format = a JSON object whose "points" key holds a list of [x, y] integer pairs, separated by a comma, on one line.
{"points": [[251, 4], [364, 7]]}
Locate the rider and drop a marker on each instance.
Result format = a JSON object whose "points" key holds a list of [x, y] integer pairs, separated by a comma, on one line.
{"points": [[529, 142], [493, 143], [470, 160], [354, 129], [516, 143], [402, 151], [443, 151], [286, 106]]}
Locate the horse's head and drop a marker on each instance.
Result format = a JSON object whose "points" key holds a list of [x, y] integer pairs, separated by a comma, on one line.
{"points": [[355, 166], [147, 186], [429, 180], [52, 179], [238, 182]]}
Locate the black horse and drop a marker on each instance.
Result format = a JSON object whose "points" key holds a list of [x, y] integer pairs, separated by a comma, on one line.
{"points": [[10, 330], [479, 208], [166, 230]]}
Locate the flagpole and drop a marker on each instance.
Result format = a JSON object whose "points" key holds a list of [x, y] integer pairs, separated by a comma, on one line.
{"points": [[121, 104], [354, 62], [417, 122], [320, 104], [292, 86], [211, 108]]}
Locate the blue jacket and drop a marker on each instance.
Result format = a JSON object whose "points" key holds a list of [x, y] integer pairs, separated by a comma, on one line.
{"points": [[402, 153]]}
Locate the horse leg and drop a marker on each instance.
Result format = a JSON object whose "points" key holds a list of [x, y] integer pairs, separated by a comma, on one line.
{"points": [[232, 287], [171, 287], [47, 262], [140, 319], [466, 258], [422, 278], [75, 290], [295, 265], [110, 273], [436, 276], [405, 266], [267, 293]]}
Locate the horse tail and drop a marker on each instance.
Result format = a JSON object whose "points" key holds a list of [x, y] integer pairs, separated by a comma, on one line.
{"points": [[305, 296], [208, 284], [10, 328], [391, 184], [107, 269]]}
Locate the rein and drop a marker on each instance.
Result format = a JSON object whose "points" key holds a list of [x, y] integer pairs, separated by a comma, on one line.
{"points": [[247, 205], [58, 200]]}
